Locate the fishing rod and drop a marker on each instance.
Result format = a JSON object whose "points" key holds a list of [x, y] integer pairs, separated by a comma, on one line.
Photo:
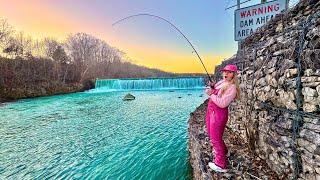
{"points": [[175, 27]]}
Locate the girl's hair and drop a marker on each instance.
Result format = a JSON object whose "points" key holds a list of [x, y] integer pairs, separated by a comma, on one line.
{"points": [[233, 81]]}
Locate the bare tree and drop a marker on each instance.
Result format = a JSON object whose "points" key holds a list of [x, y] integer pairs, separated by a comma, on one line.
{"points": [[84, 51], [5, 31]]}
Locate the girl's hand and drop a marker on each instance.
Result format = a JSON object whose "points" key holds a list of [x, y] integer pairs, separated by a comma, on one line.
{"points": [[208, 91], [211, 84]]}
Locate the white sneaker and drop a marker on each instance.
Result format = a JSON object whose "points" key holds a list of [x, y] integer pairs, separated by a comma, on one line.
{"points": [[216, 168]]}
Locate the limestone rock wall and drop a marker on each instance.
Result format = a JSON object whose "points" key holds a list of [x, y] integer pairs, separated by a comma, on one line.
{"points": [[279, 110], [278, 114]]}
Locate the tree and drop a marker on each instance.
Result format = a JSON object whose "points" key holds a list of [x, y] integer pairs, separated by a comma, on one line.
{"points": [[5, 31], [50, 45], [13, 48], [39, 49], [83, 49], [60, 56], [19, 45]]}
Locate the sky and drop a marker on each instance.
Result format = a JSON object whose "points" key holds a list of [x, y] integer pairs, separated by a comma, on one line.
{"points": [[145, 40]]}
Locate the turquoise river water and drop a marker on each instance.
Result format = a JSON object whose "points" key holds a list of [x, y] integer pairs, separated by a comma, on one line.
{"points": [[96, 135]]}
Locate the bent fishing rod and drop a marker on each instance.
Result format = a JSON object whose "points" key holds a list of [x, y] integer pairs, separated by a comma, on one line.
{"points": [[172, 25]]}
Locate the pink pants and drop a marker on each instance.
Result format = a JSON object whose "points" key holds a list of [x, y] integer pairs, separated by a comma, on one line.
{"points": [[216, 120]]}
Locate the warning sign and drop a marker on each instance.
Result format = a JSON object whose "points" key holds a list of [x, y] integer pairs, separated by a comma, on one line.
{"points": [[248, 19]]}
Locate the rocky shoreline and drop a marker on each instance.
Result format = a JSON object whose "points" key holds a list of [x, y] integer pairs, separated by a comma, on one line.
{"points": [[12, 94], [243, 164]]}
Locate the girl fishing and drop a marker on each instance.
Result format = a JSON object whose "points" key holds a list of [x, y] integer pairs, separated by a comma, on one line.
{"points": [[221, 95]]}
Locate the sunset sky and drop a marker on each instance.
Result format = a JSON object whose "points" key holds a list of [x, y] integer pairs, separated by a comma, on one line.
{"points": [[146, 41]]}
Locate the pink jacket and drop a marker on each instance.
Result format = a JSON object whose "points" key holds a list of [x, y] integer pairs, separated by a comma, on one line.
{"points": [[228, 96]]}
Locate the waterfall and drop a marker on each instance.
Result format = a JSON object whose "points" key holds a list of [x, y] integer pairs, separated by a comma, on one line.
{"points": [[150, 83]]}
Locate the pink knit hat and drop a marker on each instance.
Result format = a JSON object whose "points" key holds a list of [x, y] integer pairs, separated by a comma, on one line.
{"points": [[230, 67]]}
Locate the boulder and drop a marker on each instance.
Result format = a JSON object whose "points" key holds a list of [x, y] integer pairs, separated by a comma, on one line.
{"points": [[128, 97]]}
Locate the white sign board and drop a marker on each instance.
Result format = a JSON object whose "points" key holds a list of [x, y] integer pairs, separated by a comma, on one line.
{"points": [[248, 19]]}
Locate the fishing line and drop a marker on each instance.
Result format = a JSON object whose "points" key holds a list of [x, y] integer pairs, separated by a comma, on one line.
{"points": [[172, 25]]}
